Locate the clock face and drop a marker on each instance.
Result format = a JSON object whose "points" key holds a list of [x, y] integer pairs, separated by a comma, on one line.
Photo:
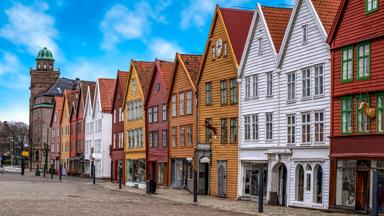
{"points": [[219, 47]]}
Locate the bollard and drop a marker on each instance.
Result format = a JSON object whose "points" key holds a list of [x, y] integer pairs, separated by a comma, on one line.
{"points": [[51, 171], [194, 186], [120, 174], [60, 167], [94, 173]]}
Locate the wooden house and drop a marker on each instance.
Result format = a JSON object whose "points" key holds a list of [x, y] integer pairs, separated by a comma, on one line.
{"points": [[73, 162], [55, 128]]}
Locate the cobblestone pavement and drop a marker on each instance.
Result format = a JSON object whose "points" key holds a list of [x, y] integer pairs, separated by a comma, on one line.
{"points": [[30, 195]]}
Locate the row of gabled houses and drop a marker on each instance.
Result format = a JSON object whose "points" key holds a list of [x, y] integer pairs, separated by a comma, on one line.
{"points": [[288, 97]]}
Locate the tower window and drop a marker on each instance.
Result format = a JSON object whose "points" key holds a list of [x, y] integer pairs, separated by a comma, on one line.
{"points": [[50, 66], [39, 66], [45, 66]]}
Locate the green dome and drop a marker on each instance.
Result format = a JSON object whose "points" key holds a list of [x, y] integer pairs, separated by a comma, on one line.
{"points": [[45, 54]]}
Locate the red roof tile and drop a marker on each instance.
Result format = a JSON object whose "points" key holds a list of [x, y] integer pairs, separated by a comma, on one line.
{"points": [[58, 107], [277, 20], [166, 71], [144, 71], [326, 10], [237, 23], [122, 76], [192, 63], [106, 87]]}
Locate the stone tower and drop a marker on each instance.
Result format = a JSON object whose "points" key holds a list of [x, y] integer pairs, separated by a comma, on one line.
{"points": [[43, 76]]}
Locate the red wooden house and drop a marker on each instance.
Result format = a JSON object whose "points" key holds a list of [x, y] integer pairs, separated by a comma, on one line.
{"points": [[157, 123], [73, 162], [117, 147], [55, 131], [357, 115]]}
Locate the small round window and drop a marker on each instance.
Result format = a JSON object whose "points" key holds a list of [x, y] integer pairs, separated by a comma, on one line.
{"points": [[157, 87]]}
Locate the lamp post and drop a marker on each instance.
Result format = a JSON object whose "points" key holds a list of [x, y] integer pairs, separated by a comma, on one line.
{"points": [[120, 174], [45, 150], [93, 173]]}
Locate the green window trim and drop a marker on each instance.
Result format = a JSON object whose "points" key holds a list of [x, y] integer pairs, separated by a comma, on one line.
{"points": [[379, 109], [347, 60], [358, 100], [373, 9], [366, 74], [348, 111]]}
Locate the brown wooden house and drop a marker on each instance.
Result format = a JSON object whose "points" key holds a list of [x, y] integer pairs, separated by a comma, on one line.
{"points": [[218, 103], [357, 115], [182, 120], [55, 131]]}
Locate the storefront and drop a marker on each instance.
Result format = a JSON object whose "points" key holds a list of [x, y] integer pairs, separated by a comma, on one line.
{"points": [[251, 172], [181, 173], [135, 173]]}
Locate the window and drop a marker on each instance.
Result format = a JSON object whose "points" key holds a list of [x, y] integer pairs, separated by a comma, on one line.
{"points": [[156, 139], [371, 6], [133, 86], [213, 53], [347, 64], [247, 127], [150, 114], [189, 135], [233, 125], [223, 92], [380, 112], [268, 126], [306, 128], [363, 61], [174, 136], [164, 114], [181, 95], [182, 136], [255, 85], [291, 127], [225, 49], [189, 102], [319, 80], [155, 113], [255, 127], [362, 119], [233, 90], [308, 171], [345, 183], [157, 87], [208, 93], [346, 114], [299, 183], [164, 136], [260, 46], [121, 117], [247, 87], [319, 126], [174, 109], [114, 144], [269, 84], [121, 139], [224, 131], [306, 82], [305, 34], [208, 131], [291, 86], [114, 115]]}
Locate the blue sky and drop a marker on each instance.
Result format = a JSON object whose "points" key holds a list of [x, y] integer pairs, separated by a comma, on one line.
{"points": [[95, 38]]}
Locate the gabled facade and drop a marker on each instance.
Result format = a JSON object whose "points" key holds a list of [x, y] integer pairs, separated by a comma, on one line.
{"points": [[117, 150], [55, 128], [88, 121], [299, 164], [357, 133], [140, 74], [181, 108], [74, 162], [157, 123], [217, 149], [101, 126], [259, 97]]}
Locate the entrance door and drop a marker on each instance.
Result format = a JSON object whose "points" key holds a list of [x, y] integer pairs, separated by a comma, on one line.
{"points": [[282, 190], [221, 180], [362, 190], [247, 182], [153, 171]]}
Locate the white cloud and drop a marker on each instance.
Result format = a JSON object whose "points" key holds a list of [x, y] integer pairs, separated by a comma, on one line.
{"points": [[161, 48], [122, 23], [12, 73], [196, 12], [30, 27]]}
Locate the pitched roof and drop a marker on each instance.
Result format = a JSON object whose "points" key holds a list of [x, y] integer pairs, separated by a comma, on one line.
{"points": [[237, 23], [123, 80], [144, 71], [58, 106], [166, 71], [57, 89], [70, 96], [192, 63], [326, 10], [83, 92], [92, 88], [106, 88], [277, 20]]}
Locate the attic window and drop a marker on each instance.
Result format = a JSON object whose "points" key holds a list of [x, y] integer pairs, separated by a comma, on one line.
{"points": [[305, 34], [260, 46], [371, 6], [157, 87], [225, 49], [213, 53], [133, 87]]}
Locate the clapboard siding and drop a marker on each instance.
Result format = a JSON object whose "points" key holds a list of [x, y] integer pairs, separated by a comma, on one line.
{"points": [[215, 71]]}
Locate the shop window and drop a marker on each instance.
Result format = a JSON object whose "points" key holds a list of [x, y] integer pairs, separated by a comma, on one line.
{"points": [[136, 170], [345, 183], [308, 170], [160, 173], [318, 184], [299, 183]]}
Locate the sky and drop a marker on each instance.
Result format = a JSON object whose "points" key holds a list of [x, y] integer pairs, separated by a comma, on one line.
{"points": [[95, 38]]}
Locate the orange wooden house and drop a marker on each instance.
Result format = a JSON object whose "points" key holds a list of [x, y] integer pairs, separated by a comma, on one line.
{"points": [[217, 149]]}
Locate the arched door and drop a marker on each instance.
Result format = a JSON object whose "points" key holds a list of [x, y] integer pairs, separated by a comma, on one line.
{"points": [[221, 180], [282, 190]]}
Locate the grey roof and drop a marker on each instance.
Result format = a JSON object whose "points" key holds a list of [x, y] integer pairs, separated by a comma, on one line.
{"points": [[57, 89]]}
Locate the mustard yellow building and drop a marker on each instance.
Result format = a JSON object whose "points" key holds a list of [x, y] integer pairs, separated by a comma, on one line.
{"points": [[140, 74]]}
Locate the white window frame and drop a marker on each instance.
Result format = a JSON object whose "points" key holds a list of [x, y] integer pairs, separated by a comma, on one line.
{"points": [[318, 124], [291, 86], [189, 102], [255, 126], [306, 82], [304, 30], [319, 79], [247, 87], [269, 80], [291, 128], [268, 126], [305, 128], [255, 86]]}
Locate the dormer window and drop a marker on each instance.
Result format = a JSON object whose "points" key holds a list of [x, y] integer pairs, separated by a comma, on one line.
{"points": [[371, 6], [305, 34], [260, 46]]}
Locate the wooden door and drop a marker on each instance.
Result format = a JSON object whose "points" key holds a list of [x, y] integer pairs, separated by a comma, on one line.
{"points": [[221, 186], [362, 190]]}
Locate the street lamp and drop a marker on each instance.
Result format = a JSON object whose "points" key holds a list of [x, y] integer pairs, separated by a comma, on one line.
{"points": [[93, 171]]}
